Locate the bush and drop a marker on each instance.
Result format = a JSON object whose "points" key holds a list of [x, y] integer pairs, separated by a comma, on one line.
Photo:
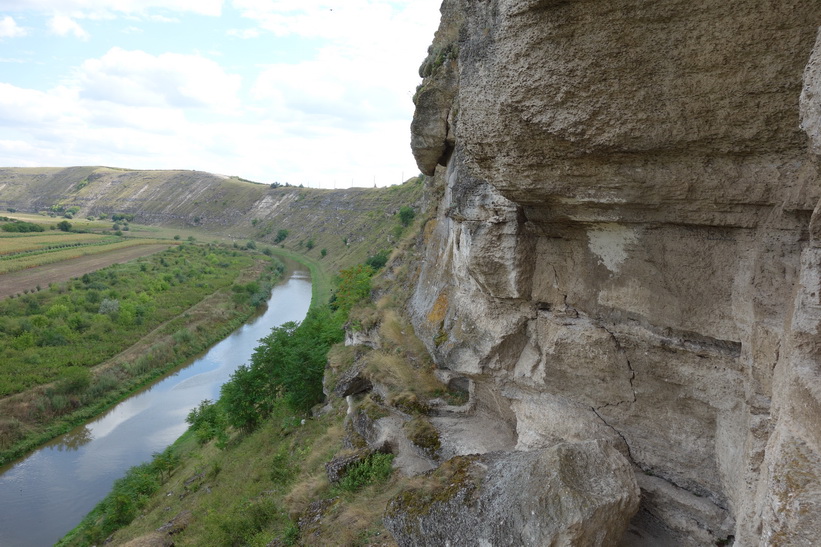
{"points": [[20, 226], [378, 260], [73, 381], [406, 215], [354, 285], [374, 469], [281, 235], [288, 366], [64, 226], [208, 422]]}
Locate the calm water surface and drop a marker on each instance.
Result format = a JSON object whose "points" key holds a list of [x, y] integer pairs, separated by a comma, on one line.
{"points": [[46, 494]]}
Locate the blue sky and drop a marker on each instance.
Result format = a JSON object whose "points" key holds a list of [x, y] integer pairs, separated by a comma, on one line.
{"points": [[309, 92]]}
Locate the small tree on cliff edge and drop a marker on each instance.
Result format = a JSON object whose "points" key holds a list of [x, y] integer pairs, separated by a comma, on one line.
{"points": [[406, 215]]}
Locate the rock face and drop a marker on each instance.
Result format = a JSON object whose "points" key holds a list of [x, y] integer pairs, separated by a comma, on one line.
{"points": [[569, 494], [628, 245]]}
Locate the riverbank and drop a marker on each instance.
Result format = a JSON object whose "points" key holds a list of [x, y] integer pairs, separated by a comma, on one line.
{"points": [[320, 278], [63, 480], [28, 420]]}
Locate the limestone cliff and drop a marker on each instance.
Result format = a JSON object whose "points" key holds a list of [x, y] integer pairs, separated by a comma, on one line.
{"points": [[628, 246]]}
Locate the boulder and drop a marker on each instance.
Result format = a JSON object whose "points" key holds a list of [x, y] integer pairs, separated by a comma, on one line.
{"points": [[570, 494]]}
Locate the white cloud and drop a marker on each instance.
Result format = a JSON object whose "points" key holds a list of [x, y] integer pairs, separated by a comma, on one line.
{"points": [[106, 8], [10, 29], [63, 25], [332, 91], [163, 19], [36, 109], [136, 78], [243, 33], [341, 116]]}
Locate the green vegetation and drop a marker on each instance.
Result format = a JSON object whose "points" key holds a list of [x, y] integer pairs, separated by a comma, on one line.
{"points": [[289, 363], [252, 462], [21, 226], [378, 261], [58, 252], [353, 286], [85, 321], [263, 402], [53, 342], [129, 495], [406, 215], [281, 235], [18, 244], [375, 469]]}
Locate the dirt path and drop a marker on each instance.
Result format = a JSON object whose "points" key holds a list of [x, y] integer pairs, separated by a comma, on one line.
{"points": [[17, 282]]}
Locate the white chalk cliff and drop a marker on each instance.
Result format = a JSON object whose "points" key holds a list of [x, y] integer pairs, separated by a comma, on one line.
{"points": [[627, 248]]}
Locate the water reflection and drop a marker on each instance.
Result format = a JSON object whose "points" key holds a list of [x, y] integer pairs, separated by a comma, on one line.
{"points": [[74, 439]]}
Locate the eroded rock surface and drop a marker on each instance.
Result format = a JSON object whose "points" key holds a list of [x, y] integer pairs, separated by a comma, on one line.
{"points": [[628, 244], [570, 494]]}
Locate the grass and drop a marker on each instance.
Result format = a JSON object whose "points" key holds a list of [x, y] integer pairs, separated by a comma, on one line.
{"points": [[175, 323], [320, 279], [12, 243], [253, 485], [241, 496], [252, 490], [52, 256]]}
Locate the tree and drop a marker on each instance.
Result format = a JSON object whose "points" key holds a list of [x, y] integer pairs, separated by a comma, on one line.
{"points": [[354, 285], [281, 235], [310, 244], [406, 215], [64, 225], [378, 260]]}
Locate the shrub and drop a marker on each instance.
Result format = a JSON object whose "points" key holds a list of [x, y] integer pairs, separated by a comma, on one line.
{"points": [[354, 285], [208, 422], [406, 215], [378, 260], [73, 381], [374, 469], [288, 366], [109, 306], [20, 226], [64, 226], [281, 235]]}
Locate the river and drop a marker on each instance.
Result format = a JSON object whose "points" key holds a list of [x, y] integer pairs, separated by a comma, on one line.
{"points": [[47, 493]]}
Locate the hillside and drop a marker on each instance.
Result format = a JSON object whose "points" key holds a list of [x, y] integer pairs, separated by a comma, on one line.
{"points": [[351, 224]]}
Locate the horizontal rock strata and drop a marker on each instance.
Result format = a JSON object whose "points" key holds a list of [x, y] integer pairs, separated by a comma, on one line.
{"points": [[627, 245]]}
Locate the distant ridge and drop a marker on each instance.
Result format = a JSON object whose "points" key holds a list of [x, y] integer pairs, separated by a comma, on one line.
{"points": [[357, 220]]}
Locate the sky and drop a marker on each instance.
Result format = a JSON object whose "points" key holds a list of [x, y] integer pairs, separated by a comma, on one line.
{"points": [[312, 92]]}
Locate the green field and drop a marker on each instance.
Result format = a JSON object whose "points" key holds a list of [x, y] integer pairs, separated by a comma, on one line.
{"points": [[62, 346]]}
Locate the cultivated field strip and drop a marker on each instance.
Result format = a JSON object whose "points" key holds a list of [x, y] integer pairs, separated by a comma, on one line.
{"points": [[24, 243], [22, 261]]}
